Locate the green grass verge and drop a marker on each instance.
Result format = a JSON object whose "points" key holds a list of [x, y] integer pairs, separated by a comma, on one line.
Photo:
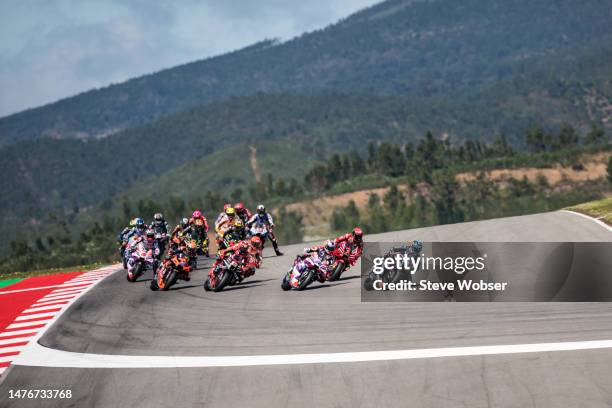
{"points": [[601, 209], [5, 283], [51, 271]]}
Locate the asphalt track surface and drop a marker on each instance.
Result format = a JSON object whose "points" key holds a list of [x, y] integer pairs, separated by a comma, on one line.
{"points": [[257, 318]]}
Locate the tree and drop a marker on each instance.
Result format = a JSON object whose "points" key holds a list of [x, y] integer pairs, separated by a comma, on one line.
{"points": [[358, 166], [444, 196], [289, 228], [390, 161], [610, 169], [567, 137], [535, 139], [595, 135], [392, 199]]}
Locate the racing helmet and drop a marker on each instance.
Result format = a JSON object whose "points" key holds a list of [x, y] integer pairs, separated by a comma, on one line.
{"points": [[256, 241], [133, 222], [330, 245], [261, 209], [417, 246], [243, 248], [140, 224], [238, 223], [239, 207], [158, 217], [230, 211], [197, 214], [150, 234], [226, 206], [184, 222], [357, 233]]}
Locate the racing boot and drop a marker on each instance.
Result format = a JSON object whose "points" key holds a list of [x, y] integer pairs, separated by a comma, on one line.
{"points": [[276, 250]]}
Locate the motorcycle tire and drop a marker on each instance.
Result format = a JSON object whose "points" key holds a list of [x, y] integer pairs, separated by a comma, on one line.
{"points": [[207, 285], [153, 285], [170, 280], [368, 284], [222, 280], [306, 281], [285, 285], [337, 272]]}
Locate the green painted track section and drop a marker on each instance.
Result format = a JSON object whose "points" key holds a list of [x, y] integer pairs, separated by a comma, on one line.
{"points": [[5, 283]]}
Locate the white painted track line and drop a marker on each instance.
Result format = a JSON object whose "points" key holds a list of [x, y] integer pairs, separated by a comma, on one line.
{"points": [[11, 341], [26, 324], [49, 303], [42, 309], [8, 292], [34, 316], [595, 220], [38, 355], [17, 333], [58, 297]]}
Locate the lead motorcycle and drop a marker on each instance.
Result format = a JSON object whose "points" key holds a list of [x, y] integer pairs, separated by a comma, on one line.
{"points": [[304, 272], [140, 260]]}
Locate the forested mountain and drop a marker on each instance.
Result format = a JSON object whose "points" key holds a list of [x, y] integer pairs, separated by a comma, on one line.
{"points": [[436, 48]]}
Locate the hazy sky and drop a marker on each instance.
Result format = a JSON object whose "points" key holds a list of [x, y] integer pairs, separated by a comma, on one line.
{"points": [[52, 49]]}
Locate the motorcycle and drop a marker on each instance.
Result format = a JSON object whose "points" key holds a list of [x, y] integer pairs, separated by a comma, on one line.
{"points": [[226, 273], [341, 262], [174, 267], [259, 230], [389, 275], [231, 237], [194, 247], [141, 259], [162, 240], [302, 273], [122, 250]]}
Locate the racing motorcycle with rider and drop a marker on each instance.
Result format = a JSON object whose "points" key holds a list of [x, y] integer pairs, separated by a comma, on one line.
{"points": [[160, 227], [349, 248], [175, 266], [143, 256], [263, 219], [232, 265]]}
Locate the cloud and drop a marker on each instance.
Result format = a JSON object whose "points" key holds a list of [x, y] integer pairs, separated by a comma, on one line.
{"points": [[50, 50]]}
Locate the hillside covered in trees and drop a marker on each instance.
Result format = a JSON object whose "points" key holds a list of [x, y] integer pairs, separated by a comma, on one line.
{"points": [[422, 184]]}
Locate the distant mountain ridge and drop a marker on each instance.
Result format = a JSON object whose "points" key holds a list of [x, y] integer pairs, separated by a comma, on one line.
{"points": [[408, 48]]}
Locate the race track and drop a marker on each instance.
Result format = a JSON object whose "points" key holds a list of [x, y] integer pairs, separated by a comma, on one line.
{"points": [[257, 318]]}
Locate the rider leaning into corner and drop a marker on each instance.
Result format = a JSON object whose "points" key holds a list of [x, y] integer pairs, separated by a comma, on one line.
{"points": [[243, 212], [322, 253], [150, 244], [198, 224], [160, 227], [265, 218], [355, 241]]}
